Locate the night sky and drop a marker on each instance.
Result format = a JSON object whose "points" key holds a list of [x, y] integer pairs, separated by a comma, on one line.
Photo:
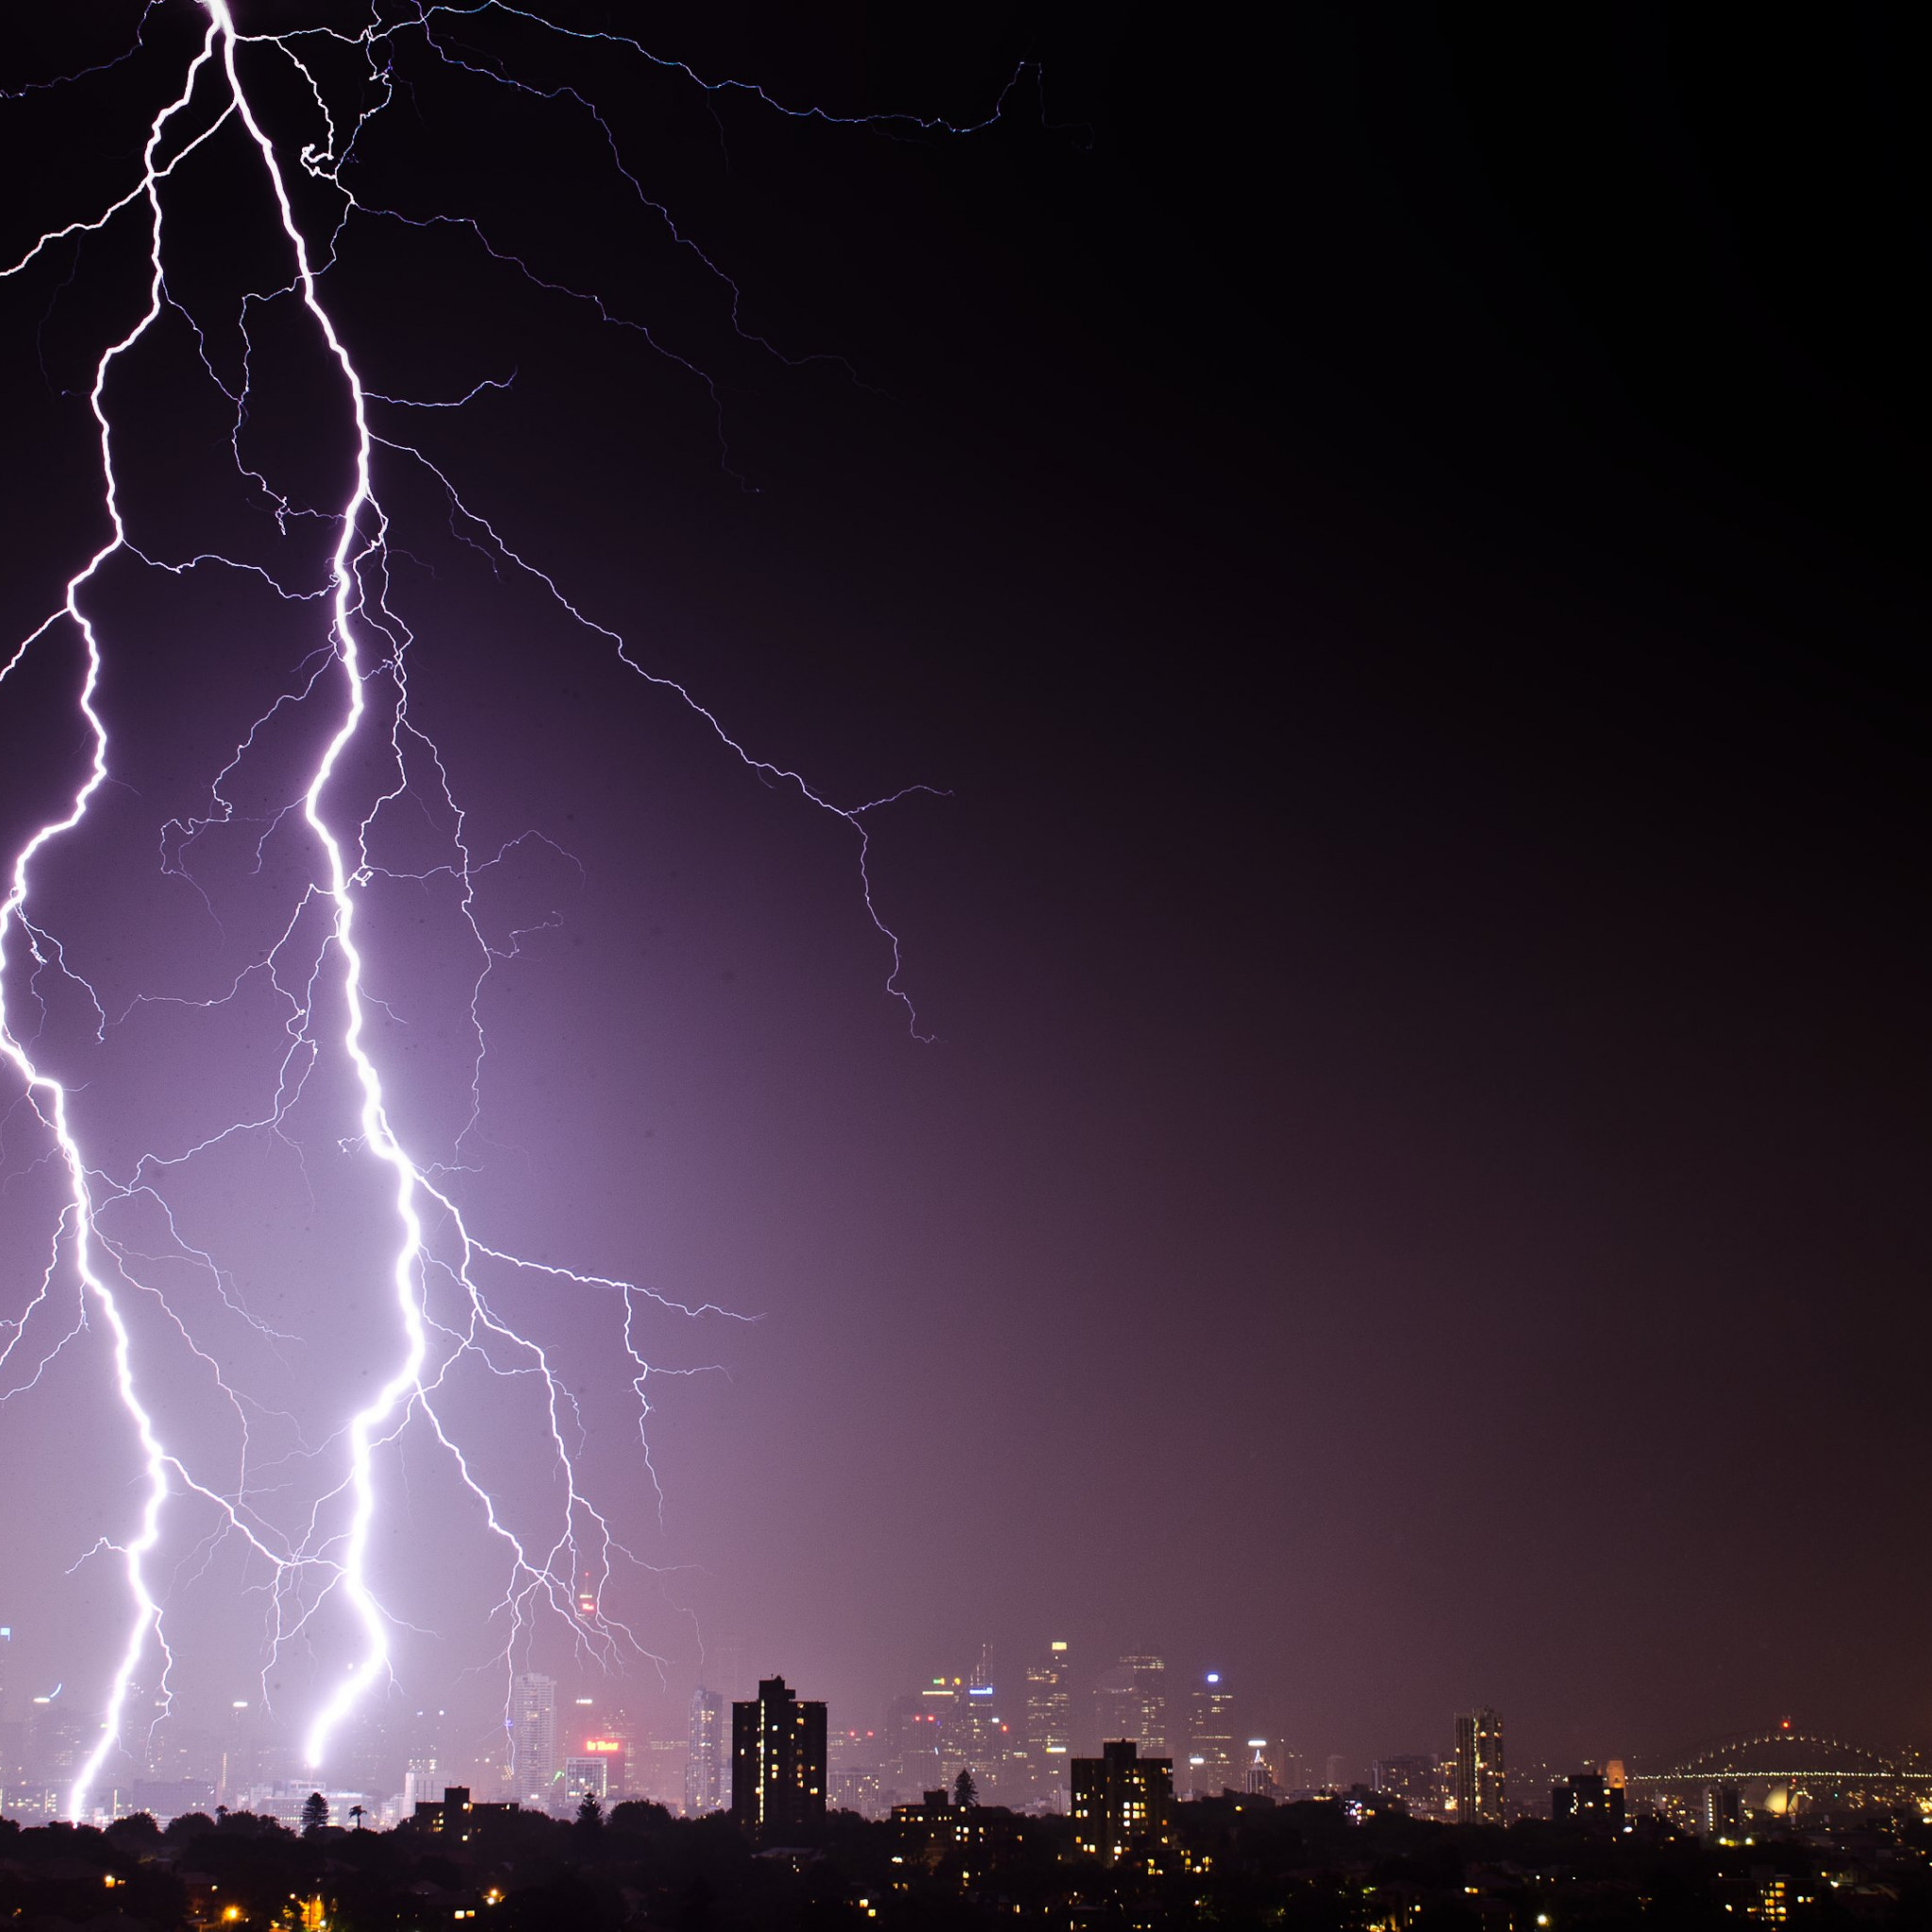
{"points": [[1396, 539]]}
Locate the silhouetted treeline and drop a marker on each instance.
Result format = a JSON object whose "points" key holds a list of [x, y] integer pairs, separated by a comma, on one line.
{"points": [[1234, 1866]]}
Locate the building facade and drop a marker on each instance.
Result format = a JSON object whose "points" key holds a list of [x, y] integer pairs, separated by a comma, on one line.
{"points": [[1481, 1787], [1122, 1804], [704, 1764], [1130, 1701], [777, 1762], [1047, 1728], [532, 1739], [1215, 1761]]}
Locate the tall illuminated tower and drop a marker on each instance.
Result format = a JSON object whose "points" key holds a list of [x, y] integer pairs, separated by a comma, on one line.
{"points": [[1479, 1780], [532, 1739], [777, 1762], [1047, 1728], [703, 1765], [1215, 1762]]}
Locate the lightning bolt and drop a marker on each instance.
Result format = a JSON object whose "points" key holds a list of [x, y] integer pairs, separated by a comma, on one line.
{"points": [[316, 974]]}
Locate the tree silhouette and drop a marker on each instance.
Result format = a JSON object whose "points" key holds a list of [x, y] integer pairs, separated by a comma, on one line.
{"points": [[357, 1812], [314, 1813], [965, 1792]]}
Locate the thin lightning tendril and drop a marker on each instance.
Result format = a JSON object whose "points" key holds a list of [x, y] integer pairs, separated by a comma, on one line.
{"points": [[442, 1310]]}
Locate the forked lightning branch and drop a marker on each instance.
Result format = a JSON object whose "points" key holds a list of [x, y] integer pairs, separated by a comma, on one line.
{"points": [[442, 1271]]}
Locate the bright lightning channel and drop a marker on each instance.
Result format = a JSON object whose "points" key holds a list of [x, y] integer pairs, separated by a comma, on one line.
{"points": [[365, 640]]}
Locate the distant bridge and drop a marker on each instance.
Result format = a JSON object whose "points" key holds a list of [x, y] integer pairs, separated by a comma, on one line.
{"points": [[1783, 1756]]}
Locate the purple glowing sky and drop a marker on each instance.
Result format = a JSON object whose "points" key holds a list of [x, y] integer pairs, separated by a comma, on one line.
{"points": [[1427, 1105]]}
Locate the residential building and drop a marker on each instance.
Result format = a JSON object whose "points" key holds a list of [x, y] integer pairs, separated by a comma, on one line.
{"points": [[705, 1765], [777, 1762], [1122, 1804], [1480, 1784], [532, 1739]]}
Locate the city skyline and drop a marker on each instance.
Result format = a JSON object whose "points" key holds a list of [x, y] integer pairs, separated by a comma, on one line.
{"points": [[559, 1744]]}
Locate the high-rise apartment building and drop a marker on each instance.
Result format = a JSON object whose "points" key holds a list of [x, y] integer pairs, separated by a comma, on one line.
{"points": [[777, 1762], [1214, 1755], [1480, 1786], [1122, 1804], [1719, 1811], [704, 1767], [532, 1739]]}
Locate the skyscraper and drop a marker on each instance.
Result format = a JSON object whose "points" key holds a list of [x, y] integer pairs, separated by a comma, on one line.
{"points": [[1130, 1701], [978, 1738], [777, 1762], [1214, 1762], [621, 1740], [423, 1760], [532, 1739], [1288, 1766], [1479, 1780], [912, 1730], [704, 1768], [1047, 1728], [607, 1733]]}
